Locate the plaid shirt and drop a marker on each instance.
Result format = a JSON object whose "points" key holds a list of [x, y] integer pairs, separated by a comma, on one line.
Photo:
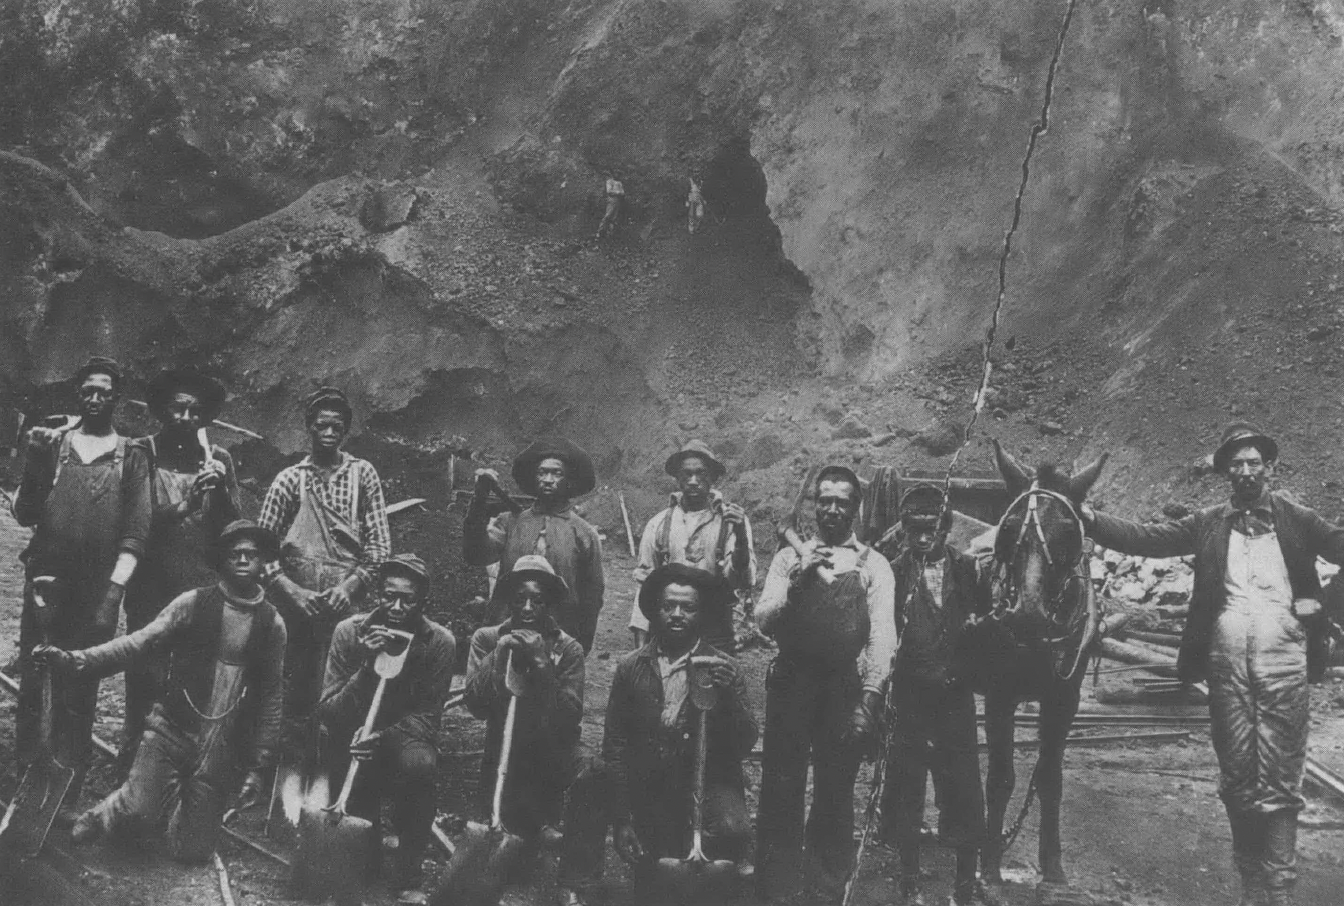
{"points": [[282, 502]]}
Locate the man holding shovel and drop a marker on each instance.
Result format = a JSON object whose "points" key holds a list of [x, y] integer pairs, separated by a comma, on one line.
{"points": [[701, 529], [649, 745], [328, 510], [830, 606], [401, 754], [86, 493], [194, 494], [224, 648], [554, 472]]}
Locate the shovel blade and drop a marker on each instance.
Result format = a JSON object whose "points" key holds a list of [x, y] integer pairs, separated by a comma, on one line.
{"points": [[484, 861], [36, 802], [335, 855], [695, 881]]}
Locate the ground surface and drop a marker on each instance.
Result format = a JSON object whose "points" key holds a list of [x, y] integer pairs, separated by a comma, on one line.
{"points": [[1142, 823]]}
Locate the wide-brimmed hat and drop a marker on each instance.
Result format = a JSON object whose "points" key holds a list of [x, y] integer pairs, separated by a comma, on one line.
{"points": [[697, 448], [408, 565], [100, 364], [715, 593], [244, 528], [170, 381], [582, 477], [1241, 434], [534, 567]]}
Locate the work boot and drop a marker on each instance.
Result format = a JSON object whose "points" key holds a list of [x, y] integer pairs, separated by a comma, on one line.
{"points": [[1280, 857], [976, 893]]}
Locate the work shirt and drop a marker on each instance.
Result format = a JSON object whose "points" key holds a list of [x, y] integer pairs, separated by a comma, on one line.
{"points": [[676, 535], [413, 702], [878, 583], [931, 615], [353, 490]]}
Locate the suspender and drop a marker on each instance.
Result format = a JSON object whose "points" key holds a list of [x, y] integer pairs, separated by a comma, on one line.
{"points": [[119, 457]]}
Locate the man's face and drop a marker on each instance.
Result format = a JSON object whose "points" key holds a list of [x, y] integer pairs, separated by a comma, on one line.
{"points": [[97, 398], [243, 562], [678, 615], [552, 479], [837, 504], [327, 430], [924, 535], [400, 600], [1248, 472], [695, 480], [528, 606], [183, 414]]}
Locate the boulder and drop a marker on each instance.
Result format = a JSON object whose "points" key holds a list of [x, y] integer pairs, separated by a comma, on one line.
{"points": [[851, 429], [941, 439]]}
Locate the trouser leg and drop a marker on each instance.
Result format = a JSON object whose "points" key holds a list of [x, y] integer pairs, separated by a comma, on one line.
{"points": [[413, 794], [956, 749], [148, 793], [586, 824], [1279, 863], [143, 683], [790, 704], [194, 823], [1248, 841], [907, 772], [835, 766]]}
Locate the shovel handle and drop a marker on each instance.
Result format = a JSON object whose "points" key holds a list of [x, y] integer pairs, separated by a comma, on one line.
{"points": [[795, 541], [505, 752], [348, 787], [698, 786], [204, 440]]}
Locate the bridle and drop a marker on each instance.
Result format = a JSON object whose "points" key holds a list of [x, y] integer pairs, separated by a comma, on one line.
{"points": [[1007, 598]]}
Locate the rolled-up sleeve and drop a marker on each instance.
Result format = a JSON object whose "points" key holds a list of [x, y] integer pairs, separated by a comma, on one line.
{"points": [[136, 503], [776, 591], [270, 698], [881, 647]]}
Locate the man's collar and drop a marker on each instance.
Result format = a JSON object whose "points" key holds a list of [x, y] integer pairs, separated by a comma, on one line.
{"points": [[343, 459], [699, 648], [1263, 505], [852, 542], [563, 509], [715, 498]]}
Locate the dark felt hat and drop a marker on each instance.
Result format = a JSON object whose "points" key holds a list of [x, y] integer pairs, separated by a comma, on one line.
{"points": [[332, 398], [100, 365], [697, 448], [245, 528], [714, 591], [531, 566], [1241, 434], [923, 500], [582, 476], [205, 388], [408, 565]]}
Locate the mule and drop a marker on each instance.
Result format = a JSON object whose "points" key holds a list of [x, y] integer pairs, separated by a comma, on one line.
{"points": [[1034, 645]]}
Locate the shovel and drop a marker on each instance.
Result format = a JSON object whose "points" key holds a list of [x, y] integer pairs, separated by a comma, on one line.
{"points": [[334, 847], [30, 814], [487, 854], [696, 879]]}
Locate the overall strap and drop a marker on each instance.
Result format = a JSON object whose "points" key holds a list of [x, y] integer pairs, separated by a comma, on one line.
{"points": [[63, 456], [662, 543]]}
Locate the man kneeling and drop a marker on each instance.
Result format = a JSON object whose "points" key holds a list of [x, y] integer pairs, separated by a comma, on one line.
{"points": [[225, 647], [649, 743]]}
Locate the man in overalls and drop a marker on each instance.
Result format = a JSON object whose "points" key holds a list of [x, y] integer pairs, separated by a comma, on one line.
{"points": [[328, 510], [224, 645], [194, 494], [937, 590], [830, 608], [554, 472], [1255, 603], [702, 529], [86, 493]]}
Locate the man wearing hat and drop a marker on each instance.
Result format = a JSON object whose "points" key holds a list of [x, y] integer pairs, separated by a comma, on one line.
{"points": [[701, 529], [937, 590], [554, 472], [830, 608], [546, 734], [1254, 604], [193, 494], [328, 510], [402, 752], [224, 646], [86, 493]]}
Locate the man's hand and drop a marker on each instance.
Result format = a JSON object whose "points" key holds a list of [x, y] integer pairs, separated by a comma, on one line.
{"points": [[863, 722], [627, 844], [40, 439], [377, 640], [809, 563], [57, 659], [340, 597], [110, 605], [734, 515], [1308, 610], [363, 748], [722, 672], [250, 794], [528, 647], [210, 478], [312, 604], [485, 480]]}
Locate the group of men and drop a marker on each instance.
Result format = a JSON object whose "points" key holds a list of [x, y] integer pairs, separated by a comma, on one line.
{"points": [[270, 660]]}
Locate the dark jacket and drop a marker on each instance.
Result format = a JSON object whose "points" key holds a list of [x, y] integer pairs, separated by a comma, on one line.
{"points": [[964, 594], [1303, 536], [645, 759]]}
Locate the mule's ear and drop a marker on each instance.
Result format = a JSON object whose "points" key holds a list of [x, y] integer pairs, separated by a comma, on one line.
{"points": [[1017, 477], [1082, 482]]}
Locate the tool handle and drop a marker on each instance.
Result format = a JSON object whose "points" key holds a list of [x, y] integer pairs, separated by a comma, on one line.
{"points": [[349, 786], [698, 785], [505, 751], [204, 440], [795, 541]]}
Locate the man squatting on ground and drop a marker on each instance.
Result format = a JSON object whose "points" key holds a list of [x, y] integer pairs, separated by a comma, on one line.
{"points": [[86, 493], [193, 495], [1254, 604], [701, 529], [554, 472], [546, 734], [329, 513], [403, 748], [823, 689], [224, 646], [937, 590]]}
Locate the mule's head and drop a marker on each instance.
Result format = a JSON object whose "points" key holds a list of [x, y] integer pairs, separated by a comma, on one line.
{"points": [[1040, 537]]}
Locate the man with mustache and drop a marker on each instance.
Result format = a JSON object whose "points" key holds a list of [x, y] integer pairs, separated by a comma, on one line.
{"points": [[402, 751], [830, 608], [554, 472], [937, 590], [86, 494], [1254, 606]]}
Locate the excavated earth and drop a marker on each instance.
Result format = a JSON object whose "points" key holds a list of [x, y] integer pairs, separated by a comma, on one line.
{"points": [[399, 197]]}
